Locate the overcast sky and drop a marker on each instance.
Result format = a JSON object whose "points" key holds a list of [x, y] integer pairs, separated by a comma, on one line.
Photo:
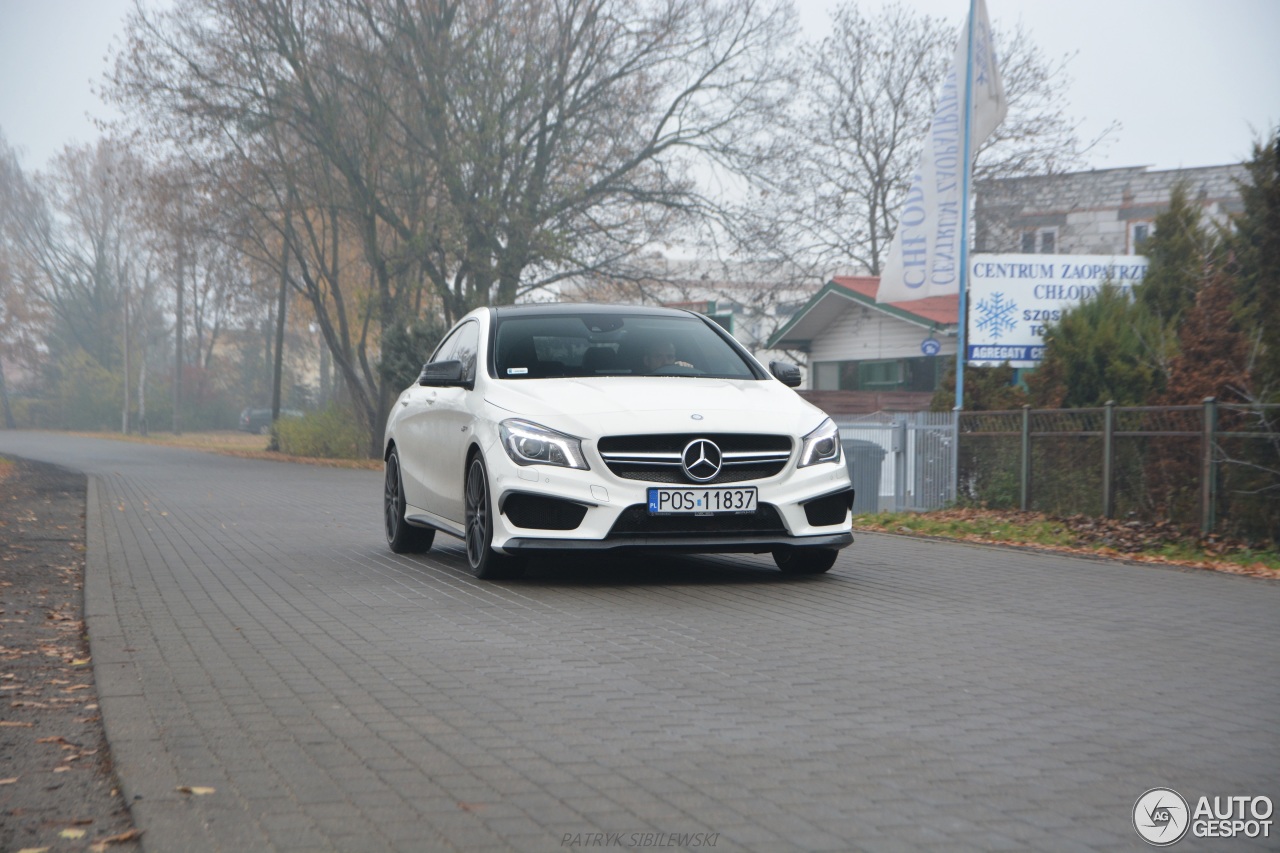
{"points": [[1192, 82]]}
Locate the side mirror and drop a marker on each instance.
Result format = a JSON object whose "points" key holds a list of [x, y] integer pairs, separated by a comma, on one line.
{"points": [[441, 374], [787, 374]]}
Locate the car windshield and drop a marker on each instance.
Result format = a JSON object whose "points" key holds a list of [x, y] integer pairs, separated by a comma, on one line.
{"points": [[579, 345]]}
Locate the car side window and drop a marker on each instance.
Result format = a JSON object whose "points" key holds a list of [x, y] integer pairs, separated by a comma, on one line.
{"points": [[467, 345], [444, 352]]}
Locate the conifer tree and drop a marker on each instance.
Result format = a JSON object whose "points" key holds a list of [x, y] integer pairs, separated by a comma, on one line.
{"points": [[1178, 252], [1108, 348], [986, 389], [1212, 359], [1256, 249]]}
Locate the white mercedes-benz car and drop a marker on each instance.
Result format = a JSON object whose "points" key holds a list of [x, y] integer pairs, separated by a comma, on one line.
{"points": [[565, 427]]}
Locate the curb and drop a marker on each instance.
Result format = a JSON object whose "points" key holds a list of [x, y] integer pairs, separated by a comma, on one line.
{"points": [[133, 737]]}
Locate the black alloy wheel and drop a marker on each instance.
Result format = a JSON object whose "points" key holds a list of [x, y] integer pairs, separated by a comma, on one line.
{"points": [[402, 537], [805, 560], [484, 562]]}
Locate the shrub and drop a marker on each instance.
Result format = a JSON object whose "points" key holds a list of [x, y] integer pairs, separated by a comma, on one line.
{"points": [[331, 433]]}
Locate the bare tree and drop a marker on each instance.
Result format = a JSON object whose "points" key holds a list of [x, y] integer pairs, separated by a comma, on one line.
{"points": [[74, 228], [855, 136], [21, 320], [81, 257], [480, 149]]}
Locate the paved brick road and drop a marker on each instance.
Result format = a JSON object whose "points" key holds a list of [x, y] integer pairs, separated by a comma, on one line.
{"points": [[251, 633]]}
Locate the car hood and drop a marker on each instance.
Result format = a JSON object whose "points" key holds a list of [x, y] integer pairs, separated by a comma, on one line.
{"points": [[615, 405]]}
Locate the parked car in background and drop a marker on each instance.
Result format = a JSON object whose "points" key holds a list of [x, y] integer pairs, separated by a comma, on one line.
{"points": [[259, 420], [543, 428]]}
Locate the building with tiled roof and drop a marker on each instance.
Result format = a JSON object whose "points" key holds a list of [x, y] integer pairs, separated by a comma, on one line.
{"points": [[854, 344]]}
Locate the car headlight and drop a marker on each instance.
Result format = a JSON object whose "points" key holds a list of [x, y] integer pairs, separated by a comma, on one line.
{"points": [[530, 444], [821, 445]]}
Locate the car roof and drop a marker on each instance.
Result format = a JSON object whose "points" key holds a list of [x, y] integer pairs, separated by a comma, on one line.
{"points": [[542, 309]]}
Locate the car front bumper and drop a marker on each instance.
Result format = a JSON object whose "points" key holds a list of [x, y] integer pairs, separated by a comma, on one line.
{"points": [[614, 511], [738, 544]]}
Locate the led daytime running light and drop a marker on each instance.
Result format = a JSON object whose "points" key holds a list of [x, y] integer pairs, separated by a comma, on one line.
{"points": [[528, 443], [821, 445]]}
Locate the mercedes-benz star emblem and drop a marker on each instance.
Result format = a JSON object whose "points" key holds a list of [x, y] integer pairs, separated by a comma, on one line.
{"points": [[701, 460]]}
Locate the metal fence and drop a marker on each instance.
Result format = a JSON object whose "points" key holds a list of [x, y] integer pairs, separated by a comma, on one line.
{"points": [[900, 461], [1214, 466]]}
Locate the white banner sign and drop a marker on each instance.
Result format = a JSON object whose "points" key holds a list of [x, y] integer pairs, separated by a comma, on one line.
{"points": [[1013, 297], [924, 257]]}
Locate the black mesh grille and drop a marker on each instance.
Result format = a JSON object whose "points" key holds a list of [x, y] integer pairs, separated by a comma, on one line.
{"points": [[635, 520], [534, 512]]}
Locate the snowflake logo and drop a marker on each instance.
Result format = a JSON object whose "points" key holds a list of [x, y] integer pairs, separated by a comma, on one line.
{"points": [[995, 316]]}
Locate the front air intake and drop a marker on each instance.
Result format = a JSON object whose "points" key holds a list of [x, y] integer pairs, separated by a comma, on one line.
{"points": [[829, 509], [538, 512]]}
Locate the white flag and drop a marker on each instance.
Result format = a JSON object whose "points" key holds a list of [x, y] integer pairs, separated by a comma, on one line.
{"points": [[924, 257]]}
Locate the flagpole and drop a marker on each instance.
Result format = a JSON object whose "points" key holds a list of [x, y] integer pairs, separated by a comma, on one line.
{"points": [[966, 179]]}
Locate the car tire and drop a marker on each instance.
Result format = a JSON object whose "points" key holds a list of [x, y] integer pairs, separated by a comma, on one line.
{"points": [[402, 537], [805, 560], [484, 562]]}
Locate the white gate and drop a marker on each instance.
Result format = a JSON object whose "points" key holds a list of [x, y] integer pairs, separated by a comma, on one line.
{"points": [[913, 454]]}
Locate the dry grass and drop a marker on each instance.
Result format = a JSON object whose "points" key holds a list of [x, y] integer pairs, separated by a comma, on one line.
{"points": [[1145, 542], [232, 443]]}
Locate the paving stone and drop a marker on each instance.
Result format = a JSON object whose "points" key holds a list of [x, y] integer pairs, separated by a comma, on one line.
{"points": [[922, 695]]}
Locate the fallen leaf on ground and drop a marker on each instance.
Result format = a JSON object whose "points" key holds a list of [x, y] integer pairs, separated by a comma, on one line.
{"points": [[14, 723], [195, 789], [73, 834], [9, 781], [101, 845]]}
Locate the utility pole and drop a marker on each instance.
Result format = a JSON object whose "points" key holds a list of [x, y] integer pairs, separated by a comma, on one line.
{"points": [[177, 367], [124, 414]]}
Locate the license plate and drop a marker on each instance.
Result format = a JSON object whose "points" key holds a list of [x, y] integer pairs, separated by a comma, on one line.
{"points": [[701, 501]]}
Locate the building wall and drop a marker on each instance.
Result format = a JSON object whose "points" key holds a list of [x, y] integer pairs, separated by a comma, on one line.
{"points": [[1093, 212], [860, 333]]}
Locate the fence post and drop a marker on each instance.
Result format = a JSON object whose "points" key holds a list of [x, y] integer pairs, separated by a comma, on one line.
{"points": [[899, 445], [1025, 475], [955, 454], [1108, 460], [1208, 480]]}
